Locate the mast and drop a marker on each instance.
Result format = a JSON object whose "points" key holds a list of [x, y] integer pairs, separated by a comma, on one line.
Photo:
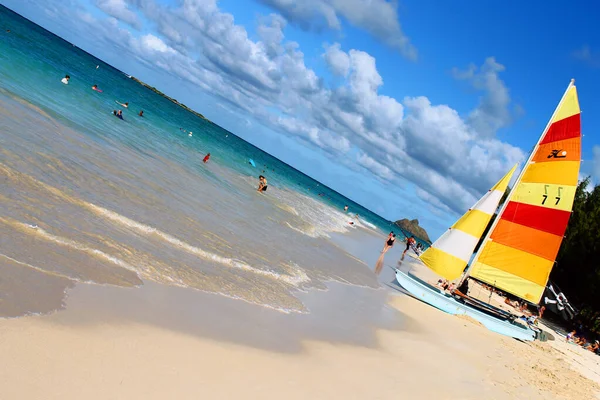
{"points": [[519, 178]]}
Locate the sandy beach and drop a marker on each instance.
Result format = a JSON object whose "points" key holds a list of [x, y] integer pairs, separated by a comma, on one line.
{"points": [[158, 342], [131, 269]]}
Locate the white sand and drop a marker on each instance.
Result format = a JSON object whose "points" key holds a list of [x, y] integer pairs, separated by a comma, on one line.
{"points": [[93, 351]]}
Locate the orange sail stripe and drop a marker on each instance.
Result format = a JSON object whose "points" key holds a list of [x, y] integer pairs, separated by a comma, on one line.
{"points": [[564, 129], [561, 150], [527, 239], [527, 266]]}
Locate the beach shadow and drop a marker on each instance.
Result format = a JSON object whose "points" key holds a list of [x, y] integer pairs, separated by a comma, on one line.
{"points": [[342, 314]]}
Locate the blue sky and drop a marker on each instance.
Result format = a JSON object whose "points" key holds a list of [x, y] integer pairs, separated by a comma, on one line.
{"points": [[412, 108]]}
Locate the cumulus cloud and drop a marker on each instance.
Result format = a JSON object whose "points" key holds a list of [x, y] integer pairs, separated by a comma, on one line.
{"points": [[441, 152], [378, 17], [119, 10], [493, 111], [337, 60]]}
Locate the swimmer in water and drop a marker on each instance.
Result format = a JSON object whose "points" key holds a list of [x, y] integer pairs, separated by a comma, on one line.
{"points": [[65, 80], [346, 208], [141, 114], [118, 114], [206, 158], [262, 184], [126, 105], [95, 87]]}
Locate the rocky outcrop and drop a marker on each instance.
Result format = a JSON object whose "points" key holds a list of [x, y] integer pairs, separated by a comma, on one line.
{"points": [[413, 228]]}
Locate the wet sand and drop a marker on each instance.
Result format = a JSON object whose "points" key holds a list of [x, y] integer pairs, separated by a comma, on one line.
{"points": [[157, 342]]}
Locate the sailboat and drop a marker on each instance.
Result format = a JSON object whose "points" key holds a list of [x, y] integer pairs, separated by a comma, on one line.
{"points": [[519, 250]]}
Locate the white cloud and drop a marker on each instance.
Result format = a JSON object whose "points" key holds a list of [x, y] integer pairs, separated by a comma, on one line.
{"points": [[493, 111], [375, 167], [151, 43], [119, 10], [437, 207], [378, 17], [430, 145], [337, 60]]}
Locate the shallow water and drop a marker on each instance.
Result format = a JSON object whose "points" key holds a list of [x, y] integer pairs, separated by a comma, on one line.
{"points": [[88, 198]]}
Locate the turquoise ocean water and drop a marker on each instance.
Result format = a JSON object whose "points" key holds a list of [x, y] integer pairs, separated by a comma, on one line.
{"points": [[87, 197]]}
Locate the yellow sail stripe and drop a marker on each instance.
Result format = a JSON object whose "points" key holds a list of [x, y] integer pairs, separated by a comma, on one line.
{"points": [[442, 263], [569, 106], [508, 259], [503, 183], [473, 222], [560, 173], [510, 283], [545, 195]]}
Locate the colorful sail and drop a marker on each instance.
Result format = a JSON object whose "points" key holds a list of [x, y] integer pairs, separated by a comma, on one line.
{"points": [[448, 256], [519, 252]]}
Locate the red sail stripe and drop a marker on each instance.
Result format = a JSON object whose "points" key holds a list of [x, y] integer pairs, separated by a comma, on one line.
{"points": [[567, 128], [541, 218]]}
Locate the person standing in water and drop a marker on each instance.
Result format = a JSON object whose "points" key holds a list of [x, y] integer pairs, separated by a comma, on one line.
{"points": [[65, 80], [346, 208], [262, 184], [206, 158], [141, 114]]}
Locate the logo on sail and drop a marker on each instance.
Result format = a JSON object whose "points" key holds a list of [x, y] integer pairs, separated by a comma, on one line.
{"points": [[558, 154]]}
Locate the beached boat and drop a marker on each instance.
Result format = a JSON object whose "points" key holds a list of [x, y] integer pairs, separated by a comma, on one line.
{"points": [[520, 248]]}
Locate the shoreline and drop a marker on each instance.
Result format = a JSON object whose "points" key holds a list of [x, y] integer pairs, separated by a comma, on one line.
{"points": [[157, 341]]}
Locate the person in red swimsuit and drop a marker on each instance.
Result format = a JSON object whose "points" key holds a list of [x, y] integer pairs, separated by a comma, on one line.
{"points": [[409, 242], [206, 157]]}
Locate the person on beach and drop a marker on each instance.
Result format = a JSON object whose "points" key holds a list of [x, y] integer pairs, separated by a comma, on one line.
{"points": [[409, 242], [65, 80], [541, 312], [262, 184], [206, 158], [389, 243]]}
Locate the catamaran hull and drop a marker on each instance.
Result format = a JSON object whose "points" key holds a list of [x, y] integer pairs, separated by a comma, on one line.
{"points": [[447, 304]]}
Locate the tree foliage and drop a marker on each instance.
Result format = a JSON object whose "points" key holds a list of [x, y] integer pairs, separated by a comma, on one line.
{"points": [[577, 268]]}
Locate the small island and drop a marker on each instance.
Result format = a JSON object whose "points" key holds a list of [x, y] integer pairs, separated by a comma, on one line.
{"points": [[413, 228], [155, 90]]}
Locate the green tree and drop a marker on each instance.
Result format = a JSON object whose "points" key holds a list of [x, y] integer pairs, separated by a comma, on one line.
{"points": [[577, 269]]}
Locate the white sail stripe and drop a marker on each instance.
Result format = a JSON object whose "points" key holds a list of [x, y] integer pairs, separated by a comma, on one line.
{"points": [[457, 243], [489, 202]]}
